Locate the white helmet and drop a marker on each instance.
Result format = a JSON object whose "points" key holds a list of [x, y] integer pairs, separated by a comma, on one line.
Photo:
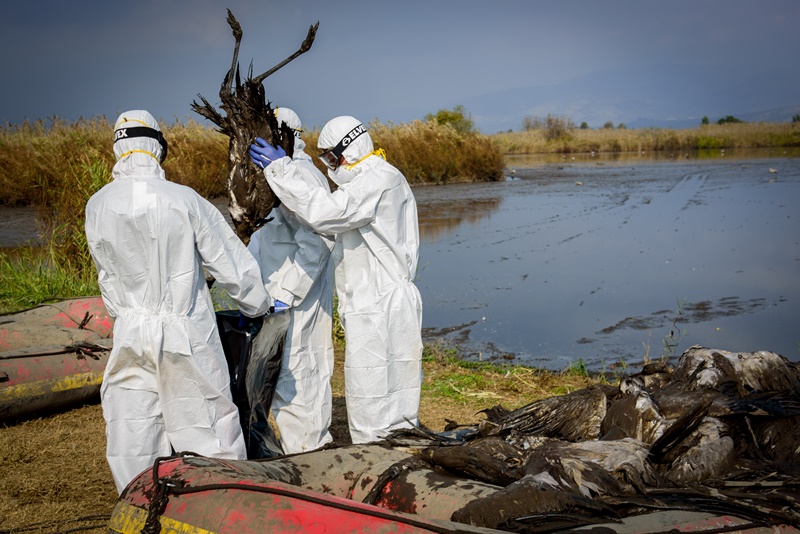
{"points": [[291, 119], [343, 136], [138, 131]]}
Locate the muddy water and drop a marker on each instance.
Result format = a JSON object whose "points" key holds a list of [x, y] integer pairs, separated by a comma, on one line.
{"points": [[18, 227], [600, 260], [606, 262]]}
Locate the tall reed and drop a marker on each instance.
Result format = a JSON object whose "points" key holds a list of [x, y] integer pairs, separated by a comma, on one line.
{"points": [[430, 153], [57, 166], [37, 156], [741, 135], [198, 157]]}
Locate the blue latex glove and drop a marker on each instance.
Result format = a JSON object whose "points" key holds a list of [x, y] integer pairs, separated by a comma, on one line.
{"points": [[249, 324], [262, 153], [280, 306]]}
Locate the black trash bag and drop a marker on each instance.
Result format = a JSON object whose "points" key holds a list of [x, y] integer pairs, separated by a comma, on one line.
{"points": [[254, 353]]}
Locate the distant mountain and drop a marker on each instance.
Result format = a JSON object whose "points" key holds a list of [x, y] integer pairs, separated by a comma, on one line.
{"points": [[783, 114], [666, 96]]}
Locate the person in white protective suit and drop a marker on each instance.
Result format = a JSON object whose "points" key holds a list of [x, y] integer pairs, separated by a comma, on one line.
{"points": [[166, 385], [373, 215], [295, 266]]}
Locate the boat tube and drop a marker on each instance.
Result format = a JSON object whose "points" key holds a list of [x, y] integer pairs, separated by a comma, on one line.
{"points": [[53, 356]]}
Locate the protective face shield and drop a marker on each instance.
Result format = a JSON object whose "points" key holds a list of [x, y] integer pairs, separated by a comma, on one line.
{"points": [[138, 131], [343, 136], [331, 159]]}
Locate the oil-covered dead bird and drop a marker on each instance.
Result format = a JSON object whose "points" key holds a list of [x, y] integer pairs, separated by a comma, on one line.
{"points": [[247, 115], [717, 434], [709, 446]]}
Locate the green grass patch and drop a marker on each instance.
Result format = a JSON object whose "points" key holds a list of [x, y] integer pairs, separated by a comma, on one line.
{"points": [[481, 384], [31, 277], [577, 368], [709, 142]]}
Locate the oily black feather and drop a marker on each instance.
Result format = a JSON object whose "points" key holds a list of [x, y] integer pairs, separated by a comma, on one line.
{"points": [[247, 114]]}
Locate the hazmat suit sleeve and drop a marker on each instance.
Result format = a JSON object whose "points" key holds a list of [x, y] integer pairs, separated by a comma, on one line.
{"points": [[224, 256], [351, 206], [291, 256]]}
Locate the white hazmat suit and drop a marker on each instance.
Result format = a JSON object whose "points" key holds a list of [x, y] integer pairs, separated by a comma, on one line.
{"points": [[373, 215], [166, 385], [296, 268]]}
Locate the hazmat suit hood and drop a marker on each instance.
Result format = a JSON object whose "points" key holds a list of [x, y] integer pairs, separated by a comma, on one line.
{"points": [[138, 145], [292, 120], [332, 133]]}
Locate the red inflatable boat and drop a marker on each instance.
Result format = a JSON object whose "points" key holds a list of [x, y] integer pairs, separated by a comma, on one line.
{"points": [[53, 356], [321, 491], [372, 488]]}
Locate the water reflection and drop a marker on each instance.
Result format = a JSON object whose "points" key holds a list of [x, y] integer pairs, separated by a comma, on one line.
{"points": [[613, 263], [439, 218], [18, 228]]}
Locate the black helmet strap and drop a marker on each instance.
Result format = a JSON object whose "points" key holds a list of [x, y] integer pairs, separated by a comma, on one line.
{"points": [[143, 131], [347, 139]]}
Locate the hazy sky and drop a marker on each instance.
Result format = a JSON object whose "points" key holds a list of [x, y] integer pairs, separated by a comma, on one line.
{"points": [[392, 61]]}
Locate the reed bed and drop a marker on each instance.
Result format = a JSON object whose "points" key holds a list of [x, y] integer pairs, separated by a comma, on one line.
{"points": [[428, 153], [57, 166], [36, 157], [39, 157], [431, 153], [711, 136]]}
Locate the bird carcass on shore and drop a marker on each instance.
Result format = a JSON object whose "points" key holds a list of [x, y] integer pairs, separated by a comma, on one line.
{"points": [[710, 444]]}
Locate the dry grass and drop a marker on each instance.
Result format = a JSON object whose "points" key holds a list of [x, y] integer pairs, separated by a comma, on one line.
{"points": [[198, 157], [43, 159], [55, 472], [430, 153], [57, 166], [55, 475], [438, 154], [741, 135], [35, 156], [38, 157]]}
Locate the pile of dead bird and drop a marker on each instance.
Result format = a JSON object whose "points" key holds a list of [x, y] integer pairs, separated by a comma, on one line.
{"points": [[719, 433]]}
